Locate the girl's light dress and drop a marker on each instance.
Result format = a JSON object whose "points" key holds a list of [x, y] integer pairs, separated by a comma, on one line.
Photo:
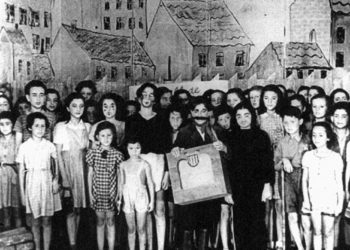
{"points": [[36, 159], [74, 141], [322, 185], [9, 186]]}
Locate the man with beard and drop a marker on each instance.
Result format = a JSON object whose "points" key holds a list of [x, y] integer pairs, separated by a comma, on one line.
{"points": [[200, 216], [147, 126]]}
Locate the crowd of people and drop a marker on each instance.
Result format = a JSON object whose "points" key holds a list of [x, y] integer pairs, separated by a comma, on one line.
{"points": [[285, 154]]}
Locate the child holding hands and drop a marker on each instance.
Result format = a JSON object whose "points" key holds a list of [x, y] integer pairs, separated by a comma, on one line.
{"points": [[103, 162], [322, 185], [135, 185]]}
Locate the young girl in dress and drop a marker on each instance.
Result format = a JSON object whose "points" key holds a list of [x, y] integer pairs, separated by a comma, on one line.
{"points": [[135, 182], [9, 187], [271, 122], [111, 108], [39, 179], [103, 162], [71, 139], [322, 185]]}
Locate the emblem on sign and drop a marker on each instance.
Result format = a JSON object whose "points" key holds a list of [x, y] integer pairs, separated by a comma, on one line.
{"points": [[193, 160]]}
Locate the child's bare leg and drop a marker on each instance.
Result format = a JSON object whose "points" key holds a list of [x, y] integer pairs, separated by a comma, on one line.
{"points": [[17, 216], [73, 220], [306, 222], [294, 229], [131, 222], [7, 217], [141, 229], [328, 225], [269, 221], [278, 207], [111, 229], [225, 211], [47, 230], [317, 230], [149, 226], [159, 214], [36, 232], [171, 208], [100, 229], [336, 230]]}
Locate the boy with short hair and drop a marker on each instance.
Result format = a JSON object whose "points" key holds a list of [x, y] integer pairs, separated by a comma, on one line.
{"points": [[287, 158], [35, 92]]}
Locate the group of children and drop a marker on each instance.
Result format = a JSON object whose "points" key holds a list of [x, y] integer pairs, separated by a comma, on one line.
{"points": [[285, 153]]}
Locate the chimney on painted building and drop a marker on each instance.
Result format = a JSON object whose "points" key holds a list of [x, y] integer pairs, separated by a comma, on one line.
{"points": [[312, 36]]}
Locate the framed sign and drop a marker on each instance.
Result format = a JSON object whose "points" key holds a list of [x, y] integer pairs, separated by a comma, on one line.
{"points": [[197, 175]]}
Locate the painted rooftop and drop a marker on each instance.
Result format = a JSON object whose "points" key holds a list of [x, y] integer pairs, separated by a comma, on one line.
{"points": [[341, 6], [110, 48], [207, 23], [301, 55], [16, 36]]}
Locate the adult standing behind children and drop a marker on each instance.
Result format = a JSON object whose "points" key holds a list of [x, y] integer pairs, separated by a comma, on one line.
{"points": [[147, 125]]}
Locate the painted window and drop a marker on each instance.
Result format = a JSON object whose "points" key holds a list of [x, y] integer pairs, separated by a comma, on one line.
{"points": [[220, 59], [323, 74], [47, 43], [144, 72], [240, 58], [120, 23], [131, 23], [240, 75], [10, 13], [28, 68], [202, 60], [107, 23], [340, 35], [20, 65], [141, 4], [119, 4], [23, 16], [46, 19], [129, 4], [300, 74], [98, 72], [36, 41], [339, 59], [289, 72], [127, 72], [140, 23], [222, 76], [114, 72], [310, 71], [106, 5], [35, 19]]}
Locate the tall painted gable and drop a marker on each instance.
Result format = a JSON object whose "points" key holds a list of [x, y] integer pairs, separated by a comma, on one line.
{"points": [[341, 6]]}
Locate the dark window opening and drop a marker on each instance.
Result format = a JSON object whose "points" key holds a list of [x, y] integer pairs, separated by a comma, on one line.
{"points": [[119, 4], [47, 43], [23, 16], [99, 71], [129, 4], [144, 72], [310, 71], [240, 75], [36, 41], [202, 60], [28, 68], [240, 58], [220, 59], [114, 72], [289, 72], [120, 23], [339, 59], [127, 72], [140, 23], [106, 23], [300, 74], [340, 35], [141, 3], [10, 13], [132, 23], [35, 19], [46, 19], [106, 5], [323, 74], [20, 65]]}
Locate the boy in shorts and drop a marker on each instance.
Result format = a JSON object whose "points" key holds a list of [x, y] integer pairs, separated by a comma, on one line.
{"points": [[288, 155]]}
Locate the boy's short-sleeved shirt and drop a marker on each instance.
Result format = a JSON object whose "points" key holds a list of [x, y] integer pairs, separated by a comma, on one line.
{"points": [[21, 126]]}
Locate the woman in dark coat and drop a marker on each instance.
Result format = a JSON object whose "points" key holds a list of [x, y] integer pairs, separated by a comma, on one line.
{"points": [[251, 176]]}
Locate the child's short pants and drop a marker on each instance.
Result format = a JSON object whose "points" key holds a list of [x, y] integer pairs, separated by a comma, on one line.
{"points": [[135, 199], [293, 193]]}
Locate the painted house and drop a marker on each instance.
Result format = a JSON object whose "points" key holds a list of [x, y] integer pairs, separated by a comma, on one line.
{"points": [[79, 53], [340, 30], [188, 38], [301, 60], [16, 56]]}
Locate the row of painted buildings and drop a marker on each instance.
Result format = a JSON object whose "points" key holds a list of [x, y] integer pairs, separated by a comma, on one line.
{"points": [[57, 39]]}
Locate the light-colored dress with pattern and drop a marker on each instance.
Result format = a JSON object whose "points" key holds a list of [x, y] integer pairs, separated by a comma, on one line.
{"points": [[9, 185], [35, 157], [74, 140]]}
